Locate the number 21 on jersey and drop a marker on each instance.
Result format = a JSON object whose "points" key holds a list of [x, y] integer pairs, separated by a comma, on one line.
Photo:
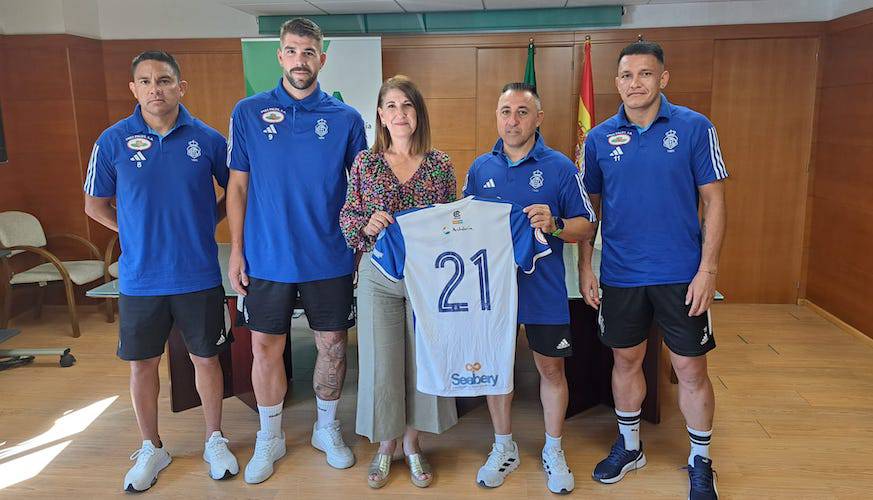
{"points": [[479, 258]]}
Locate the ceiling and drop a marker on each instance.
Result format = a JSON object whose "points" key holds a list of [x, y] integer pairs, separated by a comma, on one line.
{"points": [[315, 7]]}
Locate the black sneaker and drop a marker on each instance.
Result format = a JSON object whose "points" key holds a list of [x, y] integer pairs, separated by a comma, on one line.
{"points": [[702, 479], [619, 462]]}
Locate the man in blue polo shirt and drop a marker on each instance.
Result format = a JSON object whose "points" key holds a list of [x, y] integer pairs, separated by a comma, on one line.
{"points": [[651, 165], [159, 165], [290, 149], [523, 170]]}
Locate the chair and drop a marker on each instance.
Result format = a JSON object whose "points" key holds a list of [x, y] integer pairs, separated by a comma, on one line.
{"points": [[21, 232], [111, 267]]}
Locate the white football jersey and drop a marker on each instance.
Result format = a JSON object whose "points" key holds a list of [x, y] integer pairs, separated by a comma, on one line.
{"points": [[458, 261]]}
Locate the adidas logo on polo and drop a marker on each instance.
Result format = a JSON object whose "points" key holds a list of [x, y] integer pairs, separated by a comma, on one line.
{"points": [[563, 344], [270, 131], [489, 184], [616, 153], [138, 158]]}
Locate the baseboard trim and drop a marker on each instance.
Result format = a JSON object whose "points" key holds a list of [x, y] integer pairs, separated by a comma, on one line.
{"points": [[842, 325]]}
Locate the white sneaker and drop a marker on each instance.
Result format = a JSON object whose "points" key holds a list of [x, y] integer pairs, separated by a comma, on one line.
{"points": [[329, 439], [149, 462], [559, 477], [268, 449], [502, 460], [222, 463]]}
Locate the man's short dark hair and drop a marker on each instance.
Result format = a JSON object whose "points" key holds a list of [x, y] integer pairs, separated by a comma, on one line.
{"points": [[644, 48], [523, 87], [301, 26], [156, 55]]}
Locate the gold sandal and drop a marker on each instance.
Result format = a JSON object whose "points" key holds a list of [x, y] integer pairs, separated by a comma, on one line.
{"points": [[418, 465], [381, 467]]}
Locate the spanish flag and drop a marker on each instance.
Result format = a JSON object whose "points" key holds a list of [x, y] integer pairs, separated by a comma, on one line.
{"points": [[585, 120]]}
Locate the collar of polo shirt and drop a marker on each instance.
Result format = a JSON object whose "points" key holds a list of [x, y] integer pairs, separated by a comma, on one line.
{"points": [[536, 151], [309, 103], [664, 112], [137, 125]]}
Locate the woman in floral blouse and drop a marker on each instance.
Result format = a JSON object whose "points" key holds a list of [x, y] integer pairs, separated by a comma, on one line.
{"points": [[401, 171]]}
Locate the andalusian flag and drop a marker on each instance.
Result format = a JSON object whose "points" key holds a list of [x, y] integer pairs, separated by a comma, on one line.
{"points": [[530, 73], [586, 107]]}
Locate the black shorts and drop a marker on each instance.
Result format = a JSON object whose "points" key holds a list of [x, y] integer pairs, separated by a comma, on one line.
{"points": [[145, 323], [626, 315], [328, 304], [554, 341]]}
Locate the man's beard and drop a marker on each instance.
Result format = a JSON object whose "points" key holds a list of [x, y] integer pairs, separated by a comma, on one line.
{"points": [[300, 84]]}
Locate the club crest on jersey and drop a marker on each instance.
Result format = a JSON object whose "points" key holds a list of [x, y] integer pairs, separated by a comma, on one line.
{"points": [[272, 115], [473, 379], [321, 128], [671, 140], [139, 142], [193, 150], [536, 180], [618, 138], [538, 234]]}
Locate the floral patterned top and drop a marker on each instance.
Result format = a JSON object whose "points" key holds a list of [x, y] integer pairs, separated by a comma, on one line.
{"points": [[373, 186]]}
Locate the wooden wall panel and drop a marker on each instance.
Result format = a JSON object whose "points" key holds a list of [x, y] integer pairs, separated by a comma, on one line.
{"points": [[839, 267], [461, 160], [438, 72], [452, 126], [762, 104]]}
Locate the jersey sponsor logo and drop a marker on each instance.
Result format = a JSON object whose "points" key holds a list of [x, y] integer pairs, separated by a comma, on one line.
{"points": [[270, 131], [536, 180], [138, 142], [272, 115], [321, 128], [457, 224], [138, 157], [616, 153], [671, 140], [618, 138], [474, 379], [193, 150]]}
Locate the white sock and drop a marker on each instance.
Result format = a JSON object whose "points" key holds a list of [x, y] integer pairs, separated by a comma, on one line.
{"points": [[552, 442], [629, 427], [504, 439], [271, 419], [326, 412], [699, 444]]}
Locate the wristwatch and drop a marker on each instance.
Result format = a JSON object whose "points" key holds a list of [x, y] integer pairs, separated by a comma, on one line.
{"points": [[559, 225]]}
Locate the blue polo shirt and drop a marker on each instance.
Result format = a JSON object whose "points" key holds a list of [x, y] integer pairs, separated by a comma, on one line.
{"points": [[297, 154], [547, 177], [648, 182], [165, 199]]}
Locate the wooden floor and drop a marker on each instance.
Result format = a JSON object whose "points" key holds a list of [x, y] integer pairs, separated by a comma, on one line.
{"points": [[793, 420]]}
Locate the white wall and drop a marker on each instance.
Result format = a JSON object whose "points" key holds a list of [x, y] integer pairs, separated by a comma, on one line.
{"points": [[119, 19], [842, 8], [713, 13], [32, 16], [173, 19]]}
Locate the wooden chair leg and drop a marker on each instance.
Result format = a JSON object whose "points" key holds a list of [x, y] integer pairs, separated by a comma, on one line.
{"points": [[110, 311], [6, 310], [71, 305], [40, 299]]}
